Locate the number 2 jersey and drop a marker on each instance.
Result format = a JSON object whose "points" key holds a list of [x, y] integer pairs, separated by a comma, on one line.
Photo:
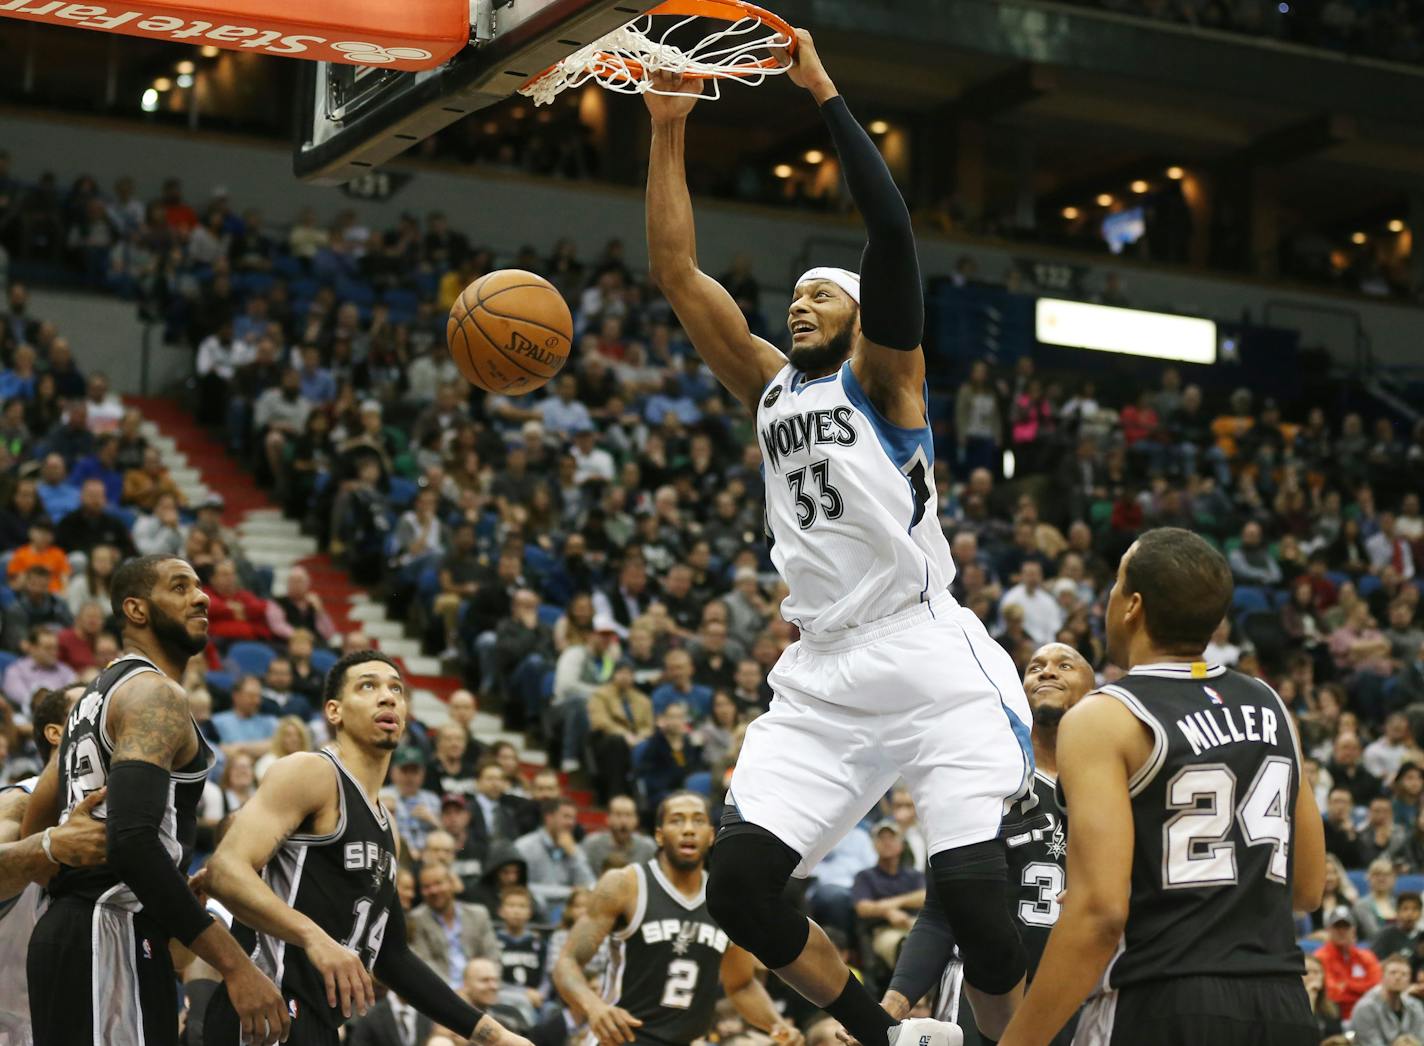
{"points": [[344, 881], [665, 966], [1212, 811], [850, 503]]}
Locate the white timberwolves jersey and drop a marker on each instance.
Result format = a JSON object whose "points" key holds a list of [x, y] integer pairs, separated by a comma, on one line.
{"points": [[850, 504]]}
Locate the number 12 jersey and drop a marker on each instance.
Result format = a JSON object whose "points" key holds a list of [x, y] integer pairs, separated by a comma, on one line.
{"points": [[850, 503]]}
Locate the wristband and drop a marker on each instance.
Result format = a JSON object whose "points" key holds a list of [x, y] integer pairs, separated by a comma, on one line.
{"points": [[45, 844]]}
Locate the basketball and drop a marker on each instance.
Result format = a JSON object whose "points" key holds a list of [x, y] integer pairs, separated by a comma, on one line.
{"points": [[509, 331]]}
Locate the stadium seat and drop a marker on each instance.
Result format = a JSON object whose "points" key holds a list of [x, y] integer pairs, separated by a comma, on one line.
{"points": [[323, 659], [6, 660], [1367, 586], [1248, 599], [247, 658], [1337, 577], [1309, 945], [403, 491], [550, 614], [1360, 879], [221, 681], [1409, 884]]}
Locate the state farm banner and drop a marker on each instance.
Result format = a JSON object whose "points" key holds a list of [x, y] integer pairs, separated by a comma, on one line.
{"points": [[390, 34]]}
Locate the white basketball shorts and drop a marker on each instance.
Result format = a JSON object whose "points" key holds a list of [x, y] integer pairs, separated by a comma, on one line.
{"points": [[925, 695]]}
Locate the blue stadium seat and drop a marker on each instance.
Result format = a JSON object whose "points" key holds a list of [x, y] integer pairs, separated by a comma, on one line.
{"points": [[126, 515], [1309, 946], [219, 680], [1337, 577], [550, 614], [286, 266], [1248, 599], [1361, 881], [537, 561], [322, 660], [247, 658], [403, 491], [1367, 586], [304, 288], [1409, 884], [427, 586]]}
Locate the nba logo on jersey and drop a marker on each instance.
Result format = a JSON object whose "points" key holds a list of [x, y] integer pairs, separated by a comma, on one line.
{"points": [[292, 1008], [1213, 696], [147, 949]]}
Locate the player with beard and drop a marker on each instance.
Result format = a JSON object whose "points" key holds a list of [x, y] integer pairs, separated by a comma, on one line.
{"points": [[19, 912], [109, 927], [1035, 831], [848, 455], [308, 870], [667, 953]]}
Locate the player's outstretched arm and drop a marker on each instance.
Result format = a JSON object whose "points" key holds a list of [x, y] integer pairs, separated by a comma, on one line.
{"points": [[613, 898], [887, 359], [742, 362], [152, 728], [79, 842], [1095, 740], [293, 789], [750, 997]]}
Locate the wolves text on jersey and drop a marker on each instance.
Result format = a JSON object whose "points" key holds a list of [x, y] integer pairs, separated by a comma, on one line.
{"points": [[810, 428]]}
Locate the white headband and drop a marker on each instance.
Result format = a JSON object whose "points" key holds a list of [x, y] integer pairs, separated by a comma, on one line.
{"points": [[843, 278]]}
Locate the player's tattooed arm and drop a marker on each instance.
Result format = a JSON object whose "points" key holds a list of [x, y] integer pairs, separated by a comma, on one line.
{"points": [[749, 996], [150, 722], [613, 898]]}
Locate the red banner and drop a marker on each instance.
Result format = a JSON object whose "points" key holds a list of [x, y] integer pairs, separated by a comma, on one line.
{"points": [[387, 34]]}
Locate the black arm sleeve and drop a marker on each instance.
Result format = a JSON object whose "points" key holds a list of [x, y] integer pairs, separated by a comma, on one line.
{"points": [[408, 975], [892, 305], [138, 804], [927, 950]]}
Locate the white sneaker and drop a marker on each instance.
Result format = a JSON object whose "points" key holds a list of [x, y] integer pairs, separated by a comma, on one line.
{"points": [[926, 1031]]}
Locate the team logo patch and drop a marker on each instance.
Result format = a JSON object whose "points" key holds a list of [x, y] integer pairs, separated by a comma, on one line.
{"points": [[1213, 696], [772, 396]]}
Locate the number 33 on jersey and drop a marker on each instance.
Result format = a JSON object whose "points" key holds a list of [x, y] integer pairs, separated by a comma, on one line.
{"points": [[850, 503]]}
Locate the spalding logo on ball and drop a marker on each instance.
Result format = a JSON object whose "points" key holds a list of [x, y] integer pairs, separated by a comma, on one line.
{"points": [[510, 331]]}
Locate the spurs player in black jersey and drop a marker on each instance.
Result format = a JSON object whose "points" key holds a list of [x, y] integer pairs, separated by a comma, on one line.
{"points": [[1193, 842], [99, 966], [308, 870], [667, 953], [1035, 832]]}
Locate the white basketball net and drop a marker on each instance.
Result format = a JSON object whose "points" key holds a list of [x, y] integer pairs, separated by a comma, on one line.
{"points": [[626, 59]]}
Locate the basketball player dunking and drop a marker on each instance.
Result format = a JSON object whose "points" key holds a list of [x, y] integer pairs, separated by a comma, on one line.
{"points": [[1193, 842], [667, 954], [19, 911], [99, 966], [890, 677], [308, 870], [1035, 832]]}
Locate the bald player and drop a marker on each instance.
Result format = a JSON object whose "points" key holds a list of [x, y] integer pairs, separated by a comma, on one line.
{"points": [[1057, 677]]}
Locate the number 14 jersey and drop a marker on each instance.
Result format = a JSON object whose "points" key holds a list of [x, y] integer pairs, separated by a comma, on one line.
{"points": [[1212, 813], [850, 503], [344, 881]]}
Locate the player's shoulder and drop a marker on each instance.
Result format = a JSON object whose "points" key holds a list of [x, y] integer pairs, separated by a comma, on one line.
{"points": [[306, 776], [617, 889]]}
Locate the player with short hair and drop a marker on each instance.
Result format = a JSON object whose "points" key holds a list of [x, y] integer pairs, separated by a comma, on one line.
{"points": [[1035, 831], [109, 927], [890, 677], [308, 870], [668, 954], [1193, 843], [20, 910]]}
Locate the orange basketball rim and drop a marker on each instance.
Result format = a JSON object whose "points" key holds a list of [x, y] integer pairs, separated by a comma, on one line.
{"points": [[376, 33], [725, 11]]}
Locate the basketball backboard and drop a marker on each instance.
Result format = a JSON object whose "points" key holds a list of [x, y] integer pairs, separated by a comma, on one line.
{"points": [[361, 117]]}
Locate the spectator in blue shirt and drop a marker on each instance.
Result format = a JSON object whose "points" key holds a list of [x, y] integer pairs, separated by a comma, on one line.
{"points": [[318, 386], [667, 758], [888, 893], [102, 465], [58, 496], [562, 412], [19, 380], [679, 687], [671, 400], [243, 728], [417, 808]]}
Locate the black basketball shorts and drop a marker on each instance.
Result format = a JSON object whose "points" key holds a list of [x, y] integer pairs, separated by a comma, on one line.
{"points": [[100, 976], [222, 1028], [1201, 1011]]}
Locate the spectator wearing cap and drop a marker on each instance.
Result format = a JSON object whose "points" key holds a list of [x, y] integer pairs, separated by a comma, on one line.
{"points": [[561, 412], [581, 669], [620, 717], [467, 851], [233, 612], [34, 605], [245, 727], [93, 524], [417, 808], [39, 668], [43, 552], [888, 893], [1350, 971], [1388, 1013]]}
